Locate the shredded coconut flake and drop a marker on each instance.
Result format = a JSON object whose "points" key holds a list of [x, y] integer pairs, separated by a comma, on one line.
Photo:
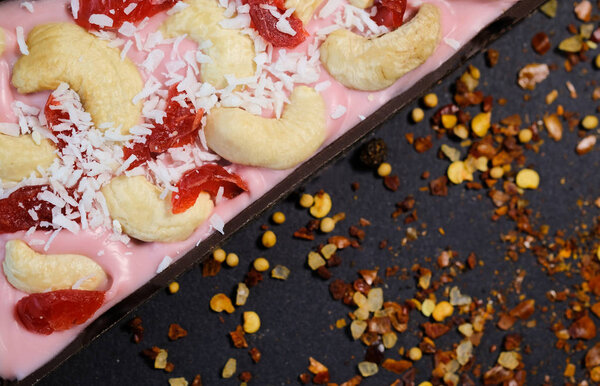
{"points": [[75, 8], [217, 223], [166, 261], [28, 5], [455, 44], [338, 112], [101, 20], [21, 41]]}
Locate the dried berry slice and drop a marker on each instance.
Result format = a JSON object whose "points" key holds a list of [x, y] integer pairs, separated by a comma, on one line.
{"points": [[124, 11], [54, 117], [45, 313], [266, 24], [208, 178], [15, 210], [390, 13], [180, 127]]}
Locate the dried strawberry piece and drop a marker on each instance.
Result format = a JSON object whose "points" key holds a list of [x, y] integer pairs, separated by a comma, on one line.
{"points": [[143, 9], [180, 127], [266, 24], [14, 215], [208, 178], [55, 117], [45, 313], [390, 13]]}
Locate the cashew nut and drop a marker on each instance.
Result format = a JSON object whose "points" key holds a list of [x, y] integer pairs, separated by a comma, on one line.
{"points": [[21, 156], [374, 64], [33, 272], [304, 8], [248, 139], [232, 52], [136, 204], [65, 52], [362, 3]]}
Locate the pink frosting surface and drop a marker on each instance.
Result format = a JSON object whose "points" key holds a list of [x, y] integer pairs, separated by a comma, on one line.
{"points": [[130, 266]]}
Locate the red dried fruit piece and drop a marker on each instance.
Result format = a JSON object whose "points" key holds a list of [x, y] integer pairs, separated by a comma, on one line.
{"points": [[143, 9], [208, 178], [45, 313], [55, 117], [266, 24], [390, 13], [180, 127], [14, 209]]}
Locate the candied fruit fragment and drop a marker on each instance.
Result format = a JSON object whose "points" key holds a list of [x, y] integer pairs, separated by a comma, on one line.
{"points": [[124, 11], [208, 178], [16, 208], [390, 13], [267, 24], [45, 313], [54, 117], [180, 127]]}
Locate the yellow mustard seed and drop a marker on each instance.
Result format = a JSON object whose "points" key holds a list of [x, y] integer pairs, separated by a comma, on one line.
{"points": [[261, 264], [306, 200], [415, 354], [589, 122], [525, 135], [251, 322], [496, 172], [269, 239], [417, 114], [327, 225], [278, 218], [528, 179], [449, 121], [426, 383], [232, 260], [481, 124], [430, 100], [219, 255], [173, 287], [384, 169]]}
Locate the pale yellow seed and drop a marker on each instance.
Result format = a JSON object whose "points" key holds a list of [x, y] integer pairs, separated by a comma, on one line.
{"points": [[430, 100], [461, 131], [306, 200], [219, 255], [251, 322], [442, 310], [384, 169], [174, 287], [497, 172], [528, 179], [415, 354], [551, 97], [278, 218], [221, 302], [230, 368], [589, 122], [597, 61], [426, 383], [327, 225], [417, 114], [261, 264], [481, 124], [475, 73], [232, 260], [269, 239], [457, 173], [427, 307], [525, 135], [449, 121], [322, 205]]}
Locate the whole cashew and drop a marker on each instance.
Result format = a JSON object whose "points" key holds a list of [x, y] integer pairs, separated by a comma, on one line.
{"points": [[33, 272], [374, 64], [136, 204], [248, 139], [65, 52], [232, 52], [21, 156], [304, 8]]}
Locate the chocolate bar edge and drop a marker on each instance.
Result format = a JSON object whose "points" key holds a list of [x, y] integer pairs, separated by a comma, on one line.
{"points": [[323, 158]]}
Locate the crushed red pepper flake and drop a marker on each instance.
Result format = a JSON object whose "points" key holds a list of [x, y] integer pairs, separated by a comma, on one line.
{"points": [[176, 331]]}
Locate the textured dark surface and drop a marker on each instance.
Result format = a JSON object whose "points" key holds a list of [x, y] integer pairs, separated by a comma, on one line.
{"points": [[297, 314]]}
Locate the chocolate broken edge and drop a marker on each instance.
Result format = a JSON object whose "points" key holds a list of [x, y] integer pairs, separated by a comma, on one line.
{"points": [[326, 156]]}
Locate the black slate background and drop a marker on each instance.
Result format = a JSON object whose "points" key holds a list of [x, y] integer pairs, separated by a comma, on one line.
{"points": [[298, 314]]}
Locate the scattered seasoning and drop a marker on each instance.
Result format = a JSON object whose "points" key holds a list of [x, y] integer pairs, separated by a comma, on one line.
{"points": [[137, 330], [541, 43], [230, 368], [176, 331]]}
